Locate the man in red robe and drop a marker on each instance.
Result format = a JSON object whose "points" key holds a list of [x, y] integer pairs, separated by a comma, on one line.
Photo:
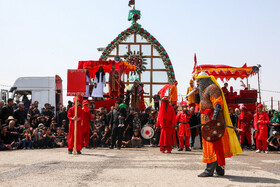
{"points": [[72, 118], [244, 122], [166, 121], [87, 117], [182, 118], [261, 120]]}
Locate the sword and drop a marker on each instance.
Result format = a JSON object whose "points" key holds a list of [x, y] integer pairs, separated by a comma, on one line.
{"points": [[191, 92], [235, 128]]}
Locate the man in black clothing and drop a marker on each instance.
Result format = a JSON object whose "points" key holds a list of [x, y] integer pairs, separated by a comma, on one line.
{"points": [[2, 104], [233, 117], [193, 122], [117, 129], [48, 113], [14, 131], [20, 115], [7, 139], [129, 123], [33, 112], [156, 101], [62, 116], [274, 141], [7, 110]]}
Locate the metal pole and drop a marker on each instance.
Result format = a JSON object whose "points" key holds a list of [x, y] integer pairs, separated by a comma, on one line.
{"points": [[278, 105]]}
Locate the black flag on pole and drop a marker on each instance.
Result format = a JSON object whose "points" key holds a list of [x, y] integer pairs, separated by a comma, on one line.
{"points": [[131, 2]]}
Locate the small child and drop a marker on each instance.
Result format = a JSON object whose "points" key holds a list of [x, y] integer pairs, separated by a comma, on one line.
{"points": [[27, 141]]}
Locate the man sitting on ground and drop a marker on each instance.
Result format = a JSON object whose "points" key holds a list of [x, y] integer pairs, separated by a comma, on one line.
{"points": [[136, 140], [274, 141]]}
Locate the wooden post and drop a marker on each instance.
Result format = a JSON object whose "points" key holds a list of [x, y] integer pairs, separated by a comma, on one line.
{"points": [[75, 126]]}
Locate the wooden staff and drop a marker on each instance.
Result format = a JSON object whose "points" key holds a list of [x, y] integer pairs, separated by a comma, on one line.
{"points": [[75, 126], [257, 126]]}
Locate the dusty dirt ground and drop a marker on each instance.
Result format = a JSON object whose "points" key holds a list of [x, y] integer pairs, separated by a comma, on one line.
{"points": [[132, 167]]}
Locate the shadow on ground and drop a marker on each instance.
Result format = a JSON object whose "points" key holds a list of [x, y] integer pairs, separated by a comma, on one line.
{"points": [[252, 179]]}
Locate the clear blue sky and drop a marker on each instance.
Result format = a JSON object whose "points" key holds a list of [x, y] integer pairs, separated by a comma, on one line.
{"points": [[44, 38]]}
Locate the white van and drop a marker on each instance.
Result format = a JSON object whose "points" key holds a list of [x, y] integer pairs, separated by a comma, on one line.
{"points": [[41, 89]]}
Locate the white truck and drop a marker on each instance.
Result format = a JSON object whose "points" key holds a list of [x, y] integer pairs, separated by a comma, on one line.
{"points": [[41, 89]]}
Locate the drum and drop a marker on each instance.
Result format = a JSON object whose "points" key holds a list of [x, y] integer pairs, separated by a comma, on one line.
{"points": [[147, 132]]}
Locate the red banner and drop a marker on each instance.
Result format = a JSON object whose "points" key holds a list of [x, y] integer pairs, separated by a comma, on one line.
{"points": [[76, 82]]}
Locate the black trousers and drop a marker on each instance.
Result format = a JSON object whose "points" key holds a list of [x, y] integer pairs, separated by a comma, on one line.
{"points": [[157, 106], [117, 134], [193, 133]]}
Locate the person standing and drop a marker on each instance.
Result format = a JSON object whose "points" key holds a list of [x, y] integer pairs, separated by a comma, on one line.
{"points": [[225, 90], [136, 91], [261, 120], [193, 122], [233, 117], [87, 117], [166, 121], [99, 82], [88, 84], [191, 99], [72, 118], [156, 101], [244, 122], [173, 93], [117, 128], [213, 106], [184, 132], [114, 83]]}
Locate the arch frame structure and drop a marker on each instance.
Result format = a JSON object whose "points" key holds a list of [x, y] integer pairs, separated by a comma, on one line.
{"points": [[137, 29]]}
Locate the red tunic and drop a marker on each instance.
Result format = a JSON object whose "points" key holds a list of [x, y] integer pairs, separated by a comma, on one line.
{"points": [[225, 90], [262, 126], [167, 121], [71, 114], [244, 121], [182, 118], [86, 120], [142, 102]]}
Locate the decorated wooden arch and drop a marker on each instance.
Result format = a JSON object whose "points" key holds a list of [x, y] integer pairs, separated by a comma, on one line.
{"points": [[137, 29]]}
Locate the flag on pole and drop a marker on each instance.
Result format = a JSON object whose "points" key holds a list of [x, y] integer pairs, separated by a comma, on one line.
{"points": [[195, 63], [131, 2], [76, 82]]}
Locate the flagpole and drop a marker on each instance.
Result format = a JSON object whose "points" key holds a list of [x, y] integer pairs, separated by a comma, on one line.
{"points": [[75, 126]]}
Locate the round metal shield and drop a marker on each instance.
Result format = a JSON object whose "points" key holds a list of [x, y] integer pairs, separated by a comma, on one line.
{"points": [[147, 132], [213, 131]]}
